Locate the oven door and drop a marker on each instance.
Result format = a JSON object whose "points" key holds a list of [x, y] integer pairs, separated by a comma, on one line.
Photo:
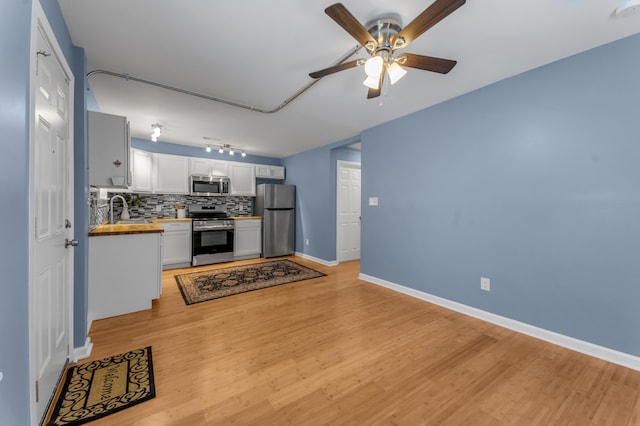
{"points": [[212, 246]]}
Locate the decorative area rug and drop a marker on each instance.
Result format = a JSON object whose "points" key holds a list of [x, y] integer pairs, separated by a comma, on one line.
{"points": [[99, 388], [207, 285]]}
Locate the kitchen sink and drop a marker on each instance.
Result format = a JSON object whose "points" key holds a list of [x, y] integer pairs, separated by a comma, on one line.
{"points": [[136, 221]]}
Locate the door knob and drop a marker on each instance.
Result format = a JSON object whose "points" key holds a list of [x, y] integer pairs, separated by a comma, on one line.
{"points": [[68, 242]]}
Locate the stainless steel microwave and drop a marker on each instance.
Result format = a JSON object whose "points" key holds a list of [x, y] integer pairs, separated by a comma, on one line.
{"points": [[209, 186]]}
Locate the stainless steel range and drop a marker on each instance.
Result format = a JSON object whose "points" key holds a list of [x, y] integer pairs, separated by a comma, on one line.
{"points": [[212, 234]]}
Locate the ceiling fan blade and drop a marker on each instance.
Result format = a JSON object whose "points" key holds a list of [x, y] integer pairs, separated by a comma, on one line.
{"points": [[428, 63], [435, 13], [374, 93], [335, 68], [350, 24]]}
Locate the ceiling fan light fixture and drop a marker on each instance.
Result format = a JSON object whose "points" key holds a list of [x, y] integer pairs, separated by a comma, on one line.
{"points": [[396, 72], [372, 82], [374, 66]]}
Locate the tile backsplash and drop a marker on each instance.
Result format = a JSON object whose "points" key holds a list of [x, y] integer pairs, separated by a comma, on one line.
{"points": [[147, 206]]}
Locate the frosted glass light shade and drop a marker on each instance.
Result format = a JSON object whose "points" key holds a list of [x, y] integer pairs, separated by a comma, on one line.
{"points": [[373, 66], [372, 82], [396, 72]]}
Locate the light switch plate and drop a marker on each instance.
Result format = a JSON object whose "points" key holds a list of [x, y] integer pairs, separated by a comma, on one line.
{"points": [[485, 284], [373, 201]]}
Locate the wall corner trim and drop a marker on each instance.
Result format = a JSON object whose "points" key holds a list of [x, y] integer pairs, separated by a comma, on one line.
{"points": [[601, 352], [317, 260], [83, 351]]}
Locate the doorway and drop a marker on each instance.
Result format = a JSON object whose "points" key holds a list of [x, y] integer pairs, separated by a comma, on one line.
{"points": [[51, 229], [348, 181]]}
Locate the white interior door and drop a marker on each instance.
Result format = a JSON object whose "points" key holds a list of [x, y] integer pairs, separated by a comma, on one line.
{"points": [[52, 277], [348, 207]]}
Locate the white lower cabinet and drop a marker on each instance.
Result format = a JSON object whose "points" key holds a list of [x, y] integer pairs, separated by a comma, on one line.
{"points": [[125, 273], [247, 242], [177, 244]]}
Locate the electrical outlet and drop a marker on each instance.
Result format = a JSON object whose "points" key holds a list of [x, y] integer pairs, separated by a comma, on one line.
{"points": [[485, 284], [373, 201], [1, 376], [159, 208], [306, 242]]}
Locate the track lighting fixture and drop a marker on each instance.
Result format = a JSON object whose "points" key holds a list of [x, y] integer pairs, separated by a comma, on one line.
{"points": [[156, 131], [228, 149]]}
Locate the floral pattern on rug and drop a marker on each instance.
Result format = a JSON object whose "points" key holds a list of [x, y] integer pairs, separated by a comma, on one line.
{"points": [[216, 283]]}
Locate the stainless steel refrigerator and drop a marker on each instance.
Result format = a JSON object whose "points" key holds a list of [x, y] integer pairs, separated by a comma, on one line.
{"points": [[277, 205]]}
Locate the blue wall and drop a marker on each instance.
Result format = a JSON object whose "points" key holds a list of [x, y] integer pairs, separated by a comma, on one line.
{"points": [[532, 182], [15, 50], [15, 36], [314, 174]]}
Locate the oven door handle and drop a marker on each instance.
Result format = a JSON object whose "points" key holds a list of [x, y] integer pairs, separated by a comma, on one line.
{"points": [[214, 228]]}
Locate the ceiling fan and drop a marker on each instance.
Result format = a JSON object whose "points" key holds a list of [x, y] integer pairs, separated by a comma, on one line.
{"points": [[382, 37]]}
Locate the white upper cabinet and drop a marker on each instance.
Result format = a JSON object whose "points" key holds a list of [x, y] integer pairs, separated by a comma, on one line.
{"points": [[220, 168], [142, 171], [243, 179], [208, 167], [171, 174], [269, 172], [109, 146]]}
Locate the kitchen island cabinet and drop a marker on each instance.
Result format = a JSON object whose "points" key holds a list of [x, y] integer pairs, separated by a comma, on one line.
{"points": [[125, 273]]}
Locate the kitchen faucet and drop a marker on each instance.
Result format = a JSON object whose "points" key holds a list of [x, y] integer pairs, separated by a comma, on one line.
{"points": [[125, 209]]}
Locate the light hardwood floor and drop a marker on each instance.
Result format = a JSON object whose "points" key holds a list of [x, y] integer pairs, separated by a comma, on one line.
{"points": [[337, 350]]}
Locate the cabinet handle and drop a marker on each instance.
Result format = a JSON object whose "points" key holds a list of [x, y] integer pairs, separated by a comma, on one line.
{"points": [[117, 163]]}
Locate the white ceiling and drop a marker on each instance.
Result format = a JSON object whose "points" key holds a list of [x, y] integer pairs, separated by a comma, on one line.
{"points": [[260, 52]]}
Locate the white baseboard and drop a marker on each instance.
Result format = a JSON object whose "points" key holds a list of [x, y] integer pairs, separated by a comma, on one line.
{"points": [[83, 351], [607, 354], [317, 260]]}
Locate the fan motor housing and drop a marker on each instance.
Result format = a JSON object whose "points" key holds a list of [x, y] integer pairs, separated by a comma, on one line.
{"points": [[384, 30]]}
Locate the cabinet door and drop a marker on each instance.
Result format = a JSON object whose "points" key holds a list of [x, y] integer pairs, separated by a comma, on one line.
{"points": [[199, 166], [277, 172], [263, 171], [220, 168], [243, 179], [172, 174], [142, 167], [248, 238], [177, 247], [269, 172], [108, 150]]}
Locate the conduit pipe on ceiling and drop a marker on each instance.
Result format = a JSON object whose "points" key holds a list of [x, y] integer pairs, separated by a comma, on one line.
{"points": [[286, 102]]}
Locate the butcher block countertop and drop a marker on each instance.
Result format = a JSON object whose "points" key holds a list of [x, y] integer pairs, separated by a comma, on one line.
{"points": [[132, 228], [174, 219]]}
